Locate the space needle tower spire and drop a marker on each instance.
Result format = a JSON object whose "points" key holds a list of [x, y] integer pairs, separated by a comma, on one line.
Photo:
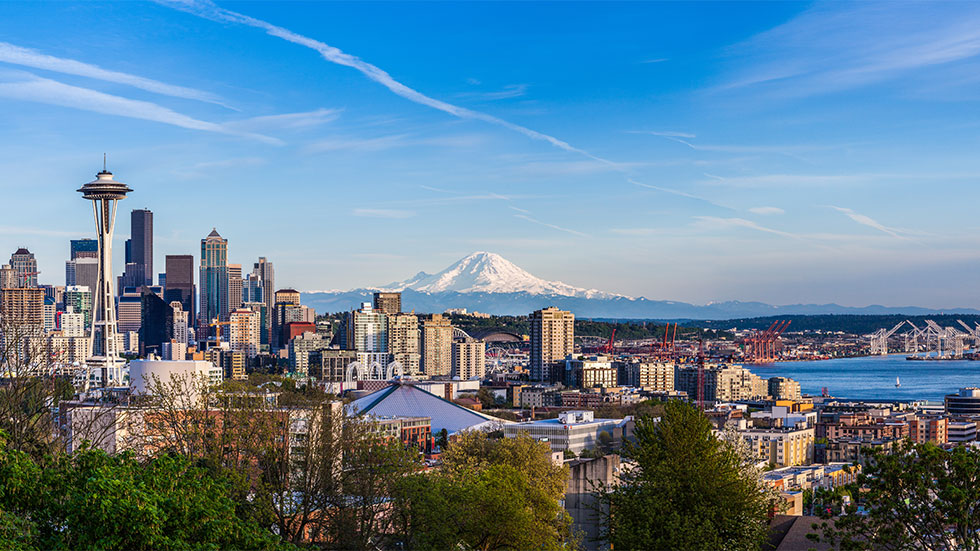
{"points": [[104, 192]]}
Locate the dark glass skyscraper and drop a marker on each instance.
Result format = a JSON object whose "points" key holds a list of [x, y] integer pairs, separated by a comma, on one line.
{"points": [[214, 279], [141, 252], [180, 283], [84, 248]]}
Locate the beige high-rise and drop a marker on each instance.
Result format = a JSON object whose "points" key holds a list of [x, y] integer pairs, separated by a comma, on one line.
{"points": [[244, 331], [437, 346], [552, 338], [403, 341], [469, 359], [23, 306]]}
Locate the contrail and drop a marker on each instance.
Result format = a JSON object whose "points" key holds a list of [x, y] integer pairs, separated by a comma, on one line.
{"points": [[211, 11]]}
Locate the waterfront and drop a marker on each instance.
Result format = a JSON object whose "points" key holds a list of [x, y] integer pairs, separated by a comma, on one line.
{"points": [[873, 378]]}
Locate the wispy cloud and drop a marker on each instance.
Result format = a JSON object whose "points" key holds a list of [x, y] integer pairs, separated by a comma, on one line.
{"points": [[789, 180], [677, 193], [509, 91], [43, 232], [518, 209], [664, 133], [25, 57], [552, 226], [207, 9], [743, 223], [865, 220], [837, 46], [32, 88], [357, 144], [766, 210], [288, 121], [655, 60], [383, 213]]}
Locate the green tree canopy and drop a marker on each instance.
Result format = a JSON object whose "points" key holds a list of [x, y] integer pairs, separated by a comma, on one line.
{"points": [[688, 489], [916, 497], [91, 500], [490, 495]]}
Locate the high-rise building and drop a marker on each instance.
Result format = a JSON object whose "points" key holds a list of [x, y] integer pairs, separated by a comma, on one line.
{"points": [[141, 253], [180, 283], [244, 331], [469, 359], [265, 276], [80, 298], [8, 277], [181, 323], [82, 271], [129, 309], [437, 346], [105, 192], [23, 306], [235, 297], [72, 323], [83, 248], [366, 330], [157, 317], [300, 348], [214, 279], [388, 303], [25, 266], [403, 342], [552, 338], [283, 301]]}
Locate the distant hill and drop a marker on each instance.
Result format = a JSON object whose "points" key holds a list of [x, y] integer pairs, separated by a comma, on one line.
{"points": [[487, 282], [855, 324]]}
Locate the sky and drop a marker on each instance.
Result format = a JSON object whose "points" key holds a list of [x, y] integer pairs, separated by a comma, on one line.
{"points": [[780, 152]]}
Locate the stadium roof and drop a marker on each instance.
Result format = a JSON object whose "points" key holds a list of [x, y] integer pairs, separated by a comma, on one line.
{"points": [[404, 399]]}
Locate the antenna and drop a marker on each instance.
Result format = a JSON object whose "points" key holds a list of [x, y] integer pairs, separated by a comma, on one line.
{"points": [[104, 162]]}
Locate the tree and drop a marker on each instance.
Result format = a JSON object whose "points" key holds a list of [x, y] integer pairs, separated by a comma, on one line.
{"points": [[490, 495], [688, 489], [91, 500], [918, 496]]}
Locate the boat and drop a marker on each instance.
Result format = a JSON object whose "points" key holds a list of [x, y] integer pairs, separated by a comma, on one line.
{"points": [[898, 383]]}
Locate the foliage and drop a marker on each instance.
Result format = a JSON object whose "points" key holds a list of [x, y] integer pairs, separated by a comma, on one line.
{"points": [[688, 489], [91, 500], [918, 496], [490, 495]]}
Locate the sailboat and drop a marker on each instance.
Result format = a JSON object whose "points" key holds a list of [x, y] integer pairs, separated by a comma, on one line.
{"points": [[898, 383]]}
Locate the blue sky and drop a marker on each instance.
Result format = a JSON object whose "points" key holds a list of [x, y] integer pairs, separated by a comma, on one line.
{"points": [[782, 152]]}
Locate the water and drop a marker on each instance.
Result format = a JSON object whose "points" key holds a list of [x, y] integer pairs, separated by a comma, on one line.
{"points": [[873, 378]]}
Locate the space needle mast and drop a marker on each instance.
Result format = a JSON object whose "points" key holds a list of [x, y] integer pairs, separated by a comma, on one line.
{"points": [[104, 192]]}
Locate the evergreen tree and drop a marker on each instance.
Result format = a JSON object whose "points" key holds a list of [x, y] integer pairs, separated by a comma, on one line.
{"points": [[688, 489]]}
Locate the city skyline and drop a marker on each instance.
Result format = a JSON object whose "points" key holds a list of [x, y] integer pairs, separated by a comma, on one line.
{"points": [[738, 155]]}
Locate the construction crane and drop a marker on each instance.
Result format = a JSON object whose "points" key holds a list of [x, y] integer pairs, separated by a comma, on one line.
{"points": [[609, 347], [217, 325]]}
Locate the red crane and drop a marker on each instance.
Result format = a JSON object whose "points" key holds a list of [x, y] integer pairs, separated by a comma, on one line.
{"points": [[609, 347], [760, 346]]}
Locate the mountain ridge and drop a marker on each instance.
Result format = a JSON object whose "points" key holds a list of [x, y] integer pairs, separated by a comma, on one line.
{"points": [[487, 282]]}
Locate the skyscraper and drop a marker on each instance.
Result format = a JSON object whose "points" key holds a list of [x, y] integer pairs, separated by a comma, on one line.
{"points": [[8, 277], [437, 346], [234, 286], [214, 280], [157, 325], [469, 359], [264, 272], [552, 338], [388, 303], [243, 331], [141, 231], [180, 283], [25, 266], [83, 270], [403, 342], [84, 248], [284, 299], [105, 192]]}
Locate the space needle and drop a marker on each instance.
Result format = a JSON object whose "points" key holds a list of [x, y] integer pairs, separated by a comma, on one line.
{"points": [[104, 192]]}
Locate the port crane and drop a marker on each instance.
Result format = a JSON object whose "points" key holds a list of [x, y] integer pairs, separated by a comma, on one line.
{"points": [[879, 339], [760, 346]]}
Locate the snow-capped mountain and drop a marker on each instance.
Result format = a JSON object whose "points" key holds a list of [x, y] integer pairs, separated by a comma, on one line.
{"points": [[487, 282], [483, 272]]}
